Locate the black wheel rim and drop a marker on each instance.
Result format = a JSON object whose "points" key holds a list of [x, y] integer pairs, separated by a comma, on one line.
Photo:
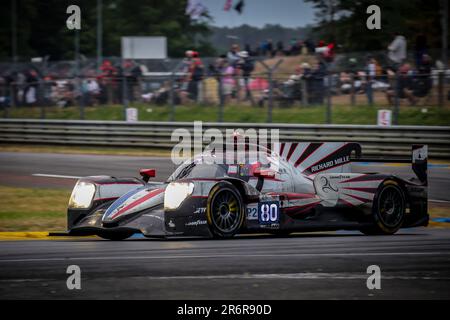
{"points": [[225, 211], [391, 206]]}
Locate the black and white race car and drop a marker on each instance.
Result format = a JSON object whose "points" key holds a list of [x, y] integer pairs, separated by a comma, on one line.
{"points": [[298, 187]]}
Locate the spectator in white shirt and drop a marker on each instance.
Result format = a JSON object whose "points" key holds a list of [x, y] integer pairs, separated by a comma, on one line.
{"points": [[397, 50]]}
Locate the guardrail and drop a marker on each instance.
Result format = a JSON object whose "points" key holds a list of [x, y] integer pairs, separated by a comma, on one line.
{"points": [[375, 140]]}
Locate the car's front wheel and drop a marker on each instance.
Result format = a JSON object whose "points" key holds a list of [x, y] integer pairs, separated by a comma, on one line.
{"points": [[388, 211], [224, 212]]}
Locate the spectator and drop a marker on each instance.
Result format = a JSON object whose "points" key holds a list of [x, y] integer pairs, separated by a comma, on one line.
{"points": [[310, 45], [371, 72], [248, 48], [31, 87], [108, 73], [315, 83], [228, 81], [196, 73], [263, 48], [246, 65], [233, 55], [421, 48], [422, 82], [397, 50], [403, 88], [270, 50], [93, 90], [326, 51], [293, 49], [280, 47]]}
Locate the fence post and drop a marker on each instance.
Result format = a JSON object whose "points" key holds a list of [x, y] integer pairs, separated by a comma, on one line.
{"points": [[441, 88], [124, 95], [328, 92], [304, 92], [40, 100], [172, 96], [352, 90], [269, 111], [12, 92], [270, 71], [5, 93], [81, 93], [396, 100], [221, 99]]}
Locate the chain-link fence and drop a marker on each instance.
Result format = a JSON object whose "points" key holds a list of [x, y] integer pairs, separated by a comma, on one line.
{"points": [[306, 87]]}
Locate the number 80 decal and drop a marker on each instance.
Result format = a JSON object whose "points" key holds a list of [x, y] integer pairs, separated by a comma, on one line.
{"points": [[269, 212]]}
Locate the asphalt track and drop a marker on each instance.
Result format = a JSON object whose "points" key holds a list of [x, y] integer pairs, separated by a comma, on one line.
{"points": [[414, 263], [16, 169]]}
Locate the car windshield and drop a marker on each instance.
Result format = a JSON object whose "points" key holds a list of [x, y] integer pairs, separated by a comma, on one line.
{"points": [[204, 166], [192, 170]]}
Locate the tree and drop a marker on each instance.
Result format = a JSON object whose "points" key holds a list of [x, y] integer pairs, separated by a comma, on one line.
{"points": [[409, 18], [42, 31]]}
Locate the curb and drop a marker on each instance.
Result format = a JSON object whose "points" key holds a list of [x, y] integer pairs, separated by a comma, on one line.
{"points": [[33, 235]]}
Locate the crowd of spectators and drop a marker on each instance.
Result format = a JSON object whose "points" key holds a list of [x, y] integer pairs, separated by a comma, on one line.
{"points": [[231, 78]]}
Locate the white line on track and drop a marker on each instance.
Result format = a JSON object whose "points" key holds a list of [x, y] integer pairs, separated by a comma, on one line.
{"points": [[54, 176], [293, 276], [125, 258], [269, 276], [439, 201]]}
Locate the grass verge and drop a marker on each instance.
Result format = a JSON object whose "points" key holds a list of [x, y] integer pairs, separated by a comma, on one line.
{"points": [[85, 150], [341, 114], [28, 209]]}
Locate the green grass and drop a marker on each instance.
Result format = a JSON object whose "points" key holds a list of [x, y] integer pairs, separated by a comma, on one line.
{"points": [[131, 151], [27, 209], [302, 115]]}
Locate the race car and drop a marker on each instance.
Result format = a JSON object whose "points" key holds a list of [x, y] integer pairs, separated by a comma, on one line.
{"points": [[289, 187]]}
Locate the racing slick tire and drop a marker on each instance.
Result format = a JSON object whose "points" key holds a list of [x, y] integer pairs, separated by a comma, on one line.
{"points": [[388, 210], [115, 236], [224, 210]]}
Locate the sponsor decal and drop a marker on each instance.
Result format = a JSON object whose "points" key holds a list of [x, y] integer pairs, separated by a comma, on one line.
{"points": [[200, 211], [270, 226], [269, 212], [232, 169], [252, 211], [327, 187], [196, 223], [329, 164]]}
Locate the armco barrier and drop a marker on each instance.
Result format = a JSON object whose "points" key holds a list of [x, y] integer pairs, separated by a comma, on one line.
{"points": [[375, 140]]}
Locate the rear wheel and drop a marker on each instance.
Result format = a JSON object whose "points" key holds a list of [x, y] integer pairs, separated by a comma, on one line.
{"points": [[115, 236], [224, 211], [388, 209]]}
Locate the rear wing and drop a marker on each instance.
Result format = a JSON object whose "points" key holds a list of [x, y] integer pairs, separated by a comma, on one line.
{"points": [[311, 158], [418, 160]]}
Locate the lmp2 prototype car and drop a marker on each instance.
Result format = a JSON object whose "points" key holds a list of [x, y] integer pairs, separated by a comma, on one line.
{"points": [[299, 187]]}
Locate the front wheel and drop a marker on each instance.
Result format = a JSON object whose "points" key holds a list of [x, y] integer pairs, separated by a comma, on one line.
{"points": [[224, 211], [388, 211]]}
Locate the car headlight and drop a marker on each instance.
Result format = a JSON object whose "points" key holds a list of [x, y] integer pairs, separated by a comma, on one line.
{"points": [[82, 195], [175, 193]]}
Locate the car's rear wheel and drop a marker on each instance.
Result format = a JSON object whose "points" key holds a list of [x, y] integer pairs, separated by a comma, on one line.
{"points": [[388, 210], [115, 236], [224, 212]]}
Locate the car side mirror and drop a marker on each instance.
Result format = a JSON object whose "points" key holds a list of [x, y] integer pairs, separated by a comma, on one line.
{"points": [[147, 174], [257, 171]]}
